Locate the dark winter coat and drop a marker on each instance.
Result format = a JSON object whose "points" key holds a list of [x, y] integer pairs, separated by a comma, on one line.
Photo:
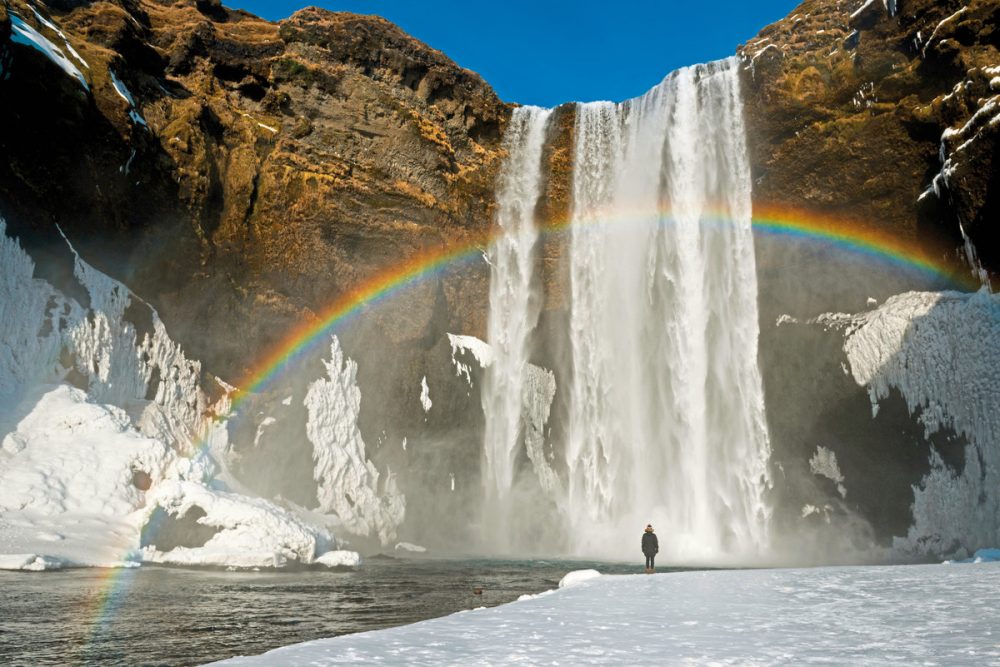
{"points": [[650, 545]]}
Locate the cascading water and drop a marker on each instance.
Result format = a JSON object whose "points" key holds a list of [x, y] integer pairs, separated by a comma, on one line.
{"points": [[514, 304], [666, 418]]}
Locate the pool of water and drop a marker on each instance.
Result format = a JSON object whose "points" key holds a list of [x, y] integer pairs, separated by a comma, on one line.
{"points": [[173, 616]]}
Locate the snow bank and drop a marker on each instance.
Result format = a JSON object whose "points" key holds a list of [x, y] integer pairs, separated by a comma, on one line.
{"points": [[577, 577], [69, 455], [251, 532], [340, 559], [30, 562], [412, 548], [941, 351], [857, 615]]}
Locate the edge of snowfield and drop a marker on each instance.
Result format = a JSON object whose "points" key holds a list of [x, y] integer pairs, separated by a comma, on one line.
{"points": [[106, 433], [908, 614]]}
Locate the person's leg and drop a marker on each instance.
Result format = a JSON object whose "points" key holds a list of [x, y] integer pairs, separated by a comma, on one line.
{"points": [[651, 558]]}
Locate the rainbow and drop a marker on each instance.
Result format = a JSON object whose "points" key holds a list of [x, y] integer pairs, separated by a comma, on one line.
{"points": [[867, 241], [843, 235]]}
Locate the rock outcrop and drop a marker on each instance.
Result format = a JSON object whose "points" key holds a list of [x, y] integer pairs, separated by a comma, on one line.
{"points": [[881, 111], [242, 174]]}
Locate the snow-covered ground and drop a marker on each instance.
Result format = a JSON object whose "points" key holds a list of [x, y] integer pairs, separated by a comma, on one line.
{"points": [[916, 614]]}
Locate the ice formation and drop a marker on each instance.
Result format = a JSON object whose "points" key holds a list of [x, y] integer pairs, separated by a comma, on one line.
{"points": [[104, 428], [425, 396], [463, 345], [941, 351], [347, 482], [339, 558], [824, 464], [667, 410], [536, 398]]}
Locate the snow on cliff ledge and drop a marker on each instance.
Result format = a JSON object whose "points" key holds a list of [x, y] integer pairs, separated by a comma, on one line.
{"points": [[104, 438]]}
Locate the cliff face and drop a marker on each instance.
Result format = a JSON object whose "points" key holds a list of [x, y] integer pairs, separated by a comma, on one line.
{"points": [[245, 173], [241, 175], [882, 112]]}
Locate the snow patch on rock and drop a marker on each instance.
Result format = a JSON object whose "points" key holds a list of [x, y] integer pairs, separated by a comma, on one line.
{"points": [[480, 351], [824, 464], [22, 33], [425, 395]]}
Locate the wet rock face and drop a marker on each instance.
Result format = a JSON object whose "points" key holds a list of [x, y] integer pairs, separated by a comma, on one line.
{"points": [[275, 165], [858, 109]]}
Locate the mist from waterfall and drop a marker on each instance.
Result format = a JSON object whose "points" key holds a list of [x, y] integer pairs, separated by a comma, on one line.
{"points": [[666, 418], [514, 303]]}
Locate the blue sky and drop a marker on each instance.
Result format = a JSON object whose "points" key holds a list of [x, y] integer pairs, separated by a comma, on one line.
{"points": [[546, 53]]}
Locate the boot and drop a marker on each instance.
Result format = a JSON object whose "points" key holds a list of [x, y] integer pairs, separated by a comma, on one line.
{"points": [[649, 571]]}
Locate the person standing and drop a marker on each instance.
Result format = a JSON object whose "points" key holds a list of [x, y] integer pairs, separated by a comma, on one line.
{"points": [[650, 547]]}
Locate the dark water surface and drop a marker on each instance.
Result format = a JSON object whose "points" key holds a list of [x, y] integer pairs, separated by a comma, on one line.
{"points": [[172, 616]]}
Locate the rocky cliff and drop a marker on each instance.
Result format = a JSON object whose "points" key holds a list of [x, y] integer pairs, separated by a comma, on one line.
{"points": [[882, 112], [241, 174]]}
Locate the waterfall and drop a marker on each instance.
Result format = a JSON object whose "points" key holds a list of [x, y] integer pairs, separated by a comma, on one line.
{"points": [[514, 301], [666, 418]]}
